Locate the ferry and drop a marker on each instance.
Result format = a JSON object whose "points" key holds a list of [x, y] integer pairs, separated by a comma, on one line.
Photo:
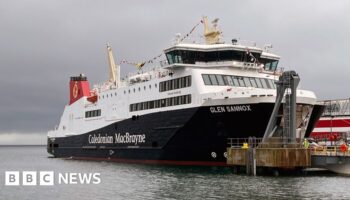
{"points": [[334, 123], [181, 112]]}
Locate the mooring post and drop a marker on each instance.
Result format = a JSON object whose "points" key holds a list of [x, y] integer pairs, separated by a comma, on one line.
{"points": [[254, 161], [247, 161], [251, 161]]}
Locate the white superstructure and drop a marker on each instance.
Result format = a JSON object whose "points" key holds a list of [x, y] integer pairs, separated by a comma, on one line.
{"points": [[194, 75]]}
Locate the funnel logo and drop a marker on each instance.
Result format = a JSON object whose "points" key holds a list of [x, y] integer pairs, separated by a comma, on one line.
{"points": [[75, 90], [47, 178]]}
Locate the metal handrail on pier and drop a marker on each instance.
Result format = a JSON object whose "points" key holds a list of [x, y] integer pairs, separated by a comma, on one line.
{"points": [[253, 142], [240, 142]]}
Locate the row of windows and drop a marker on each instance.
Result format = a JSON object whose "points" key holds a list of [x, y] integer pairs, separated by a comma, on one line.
{"points": [[115, 94], [172, 101], [107, 95], [239, 81], [175, 84], [144, 88], [191, 57], [93, 113]]}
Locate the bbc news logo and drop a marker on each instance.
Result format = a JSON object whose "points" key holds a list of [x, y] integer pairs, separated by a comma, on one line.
{"points": [[47, 178]]}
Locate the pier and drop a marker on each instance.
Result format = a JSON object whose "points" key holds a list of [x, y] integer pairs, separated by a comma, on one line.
{"points": [[280, 148], [253, 155]]}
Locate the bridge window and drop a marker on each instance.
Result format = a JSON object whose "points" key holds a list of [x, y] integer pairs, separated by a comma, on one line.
{"points": [[270, 65], [191, 57]]}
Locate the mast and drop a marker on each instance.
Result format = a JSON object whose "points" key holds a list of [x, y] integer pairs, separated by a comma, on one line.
{"points": [[211, 33], [114, 74]]}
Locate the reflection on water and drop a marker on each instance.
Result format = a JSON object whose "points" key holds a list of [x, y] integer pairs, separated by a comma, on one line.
{"points": [[135, 181]]}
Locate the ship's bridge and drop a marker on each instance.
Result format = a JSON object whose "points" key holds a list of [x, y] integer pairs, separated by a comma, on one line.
{"points": [[217, 53]]}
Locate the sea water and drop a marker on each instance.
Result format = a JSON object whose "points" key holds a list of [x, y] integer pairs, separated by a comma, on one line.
{"points": [[139, 181]]}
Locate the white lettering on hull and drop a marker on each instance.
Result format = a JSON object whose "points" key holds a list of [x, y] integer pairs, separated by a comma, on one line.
{"points": [[97, 139], [238, 108], [126, 138]]}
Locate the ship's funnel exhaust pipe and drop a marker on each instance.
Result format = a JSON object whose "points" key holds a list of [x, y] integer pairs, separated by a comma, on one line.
{"points": [[78, 87]]}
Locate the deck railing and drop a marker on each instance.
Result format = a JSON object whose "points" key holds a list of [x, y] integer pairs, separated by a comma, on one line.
{"points": [[335, 150]]}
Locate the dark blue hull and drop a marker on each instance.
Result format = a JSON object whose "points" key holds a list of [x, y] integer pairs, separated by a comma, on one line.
{"points": [[193, 136]]}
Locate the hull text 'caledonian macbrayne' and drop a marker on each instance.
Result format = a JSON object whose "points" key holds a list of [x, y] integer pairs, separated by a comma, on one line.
{"points": [[181, 112]]}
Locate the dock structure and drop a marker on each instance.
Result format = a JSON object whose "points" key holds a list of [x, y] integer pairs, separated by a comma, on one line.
{"points": [[275, 155], [279, 148], [251, 153]]}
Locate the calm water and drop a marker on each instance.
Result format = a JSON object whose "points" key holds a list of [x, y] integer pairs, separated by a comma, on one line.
{"points": [[131, 181]]}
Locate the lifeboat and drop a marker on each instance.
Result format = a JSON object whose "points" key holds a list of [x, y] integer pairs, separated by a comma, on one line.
{"points": [[93, 97]]}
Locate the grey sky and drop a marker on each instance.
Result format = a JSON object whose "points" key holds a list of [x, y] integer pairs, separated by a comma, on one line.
{"points": [[42, 43]]}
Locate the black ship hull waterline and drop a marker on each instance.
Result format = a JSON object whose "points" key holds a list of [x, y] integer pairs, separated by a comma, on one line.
{"points": [[193, 136]]}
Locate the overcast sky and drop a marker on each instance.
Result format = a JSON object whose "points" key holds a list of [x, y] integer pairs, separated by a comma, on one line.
{"points": [[43, 43]]}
